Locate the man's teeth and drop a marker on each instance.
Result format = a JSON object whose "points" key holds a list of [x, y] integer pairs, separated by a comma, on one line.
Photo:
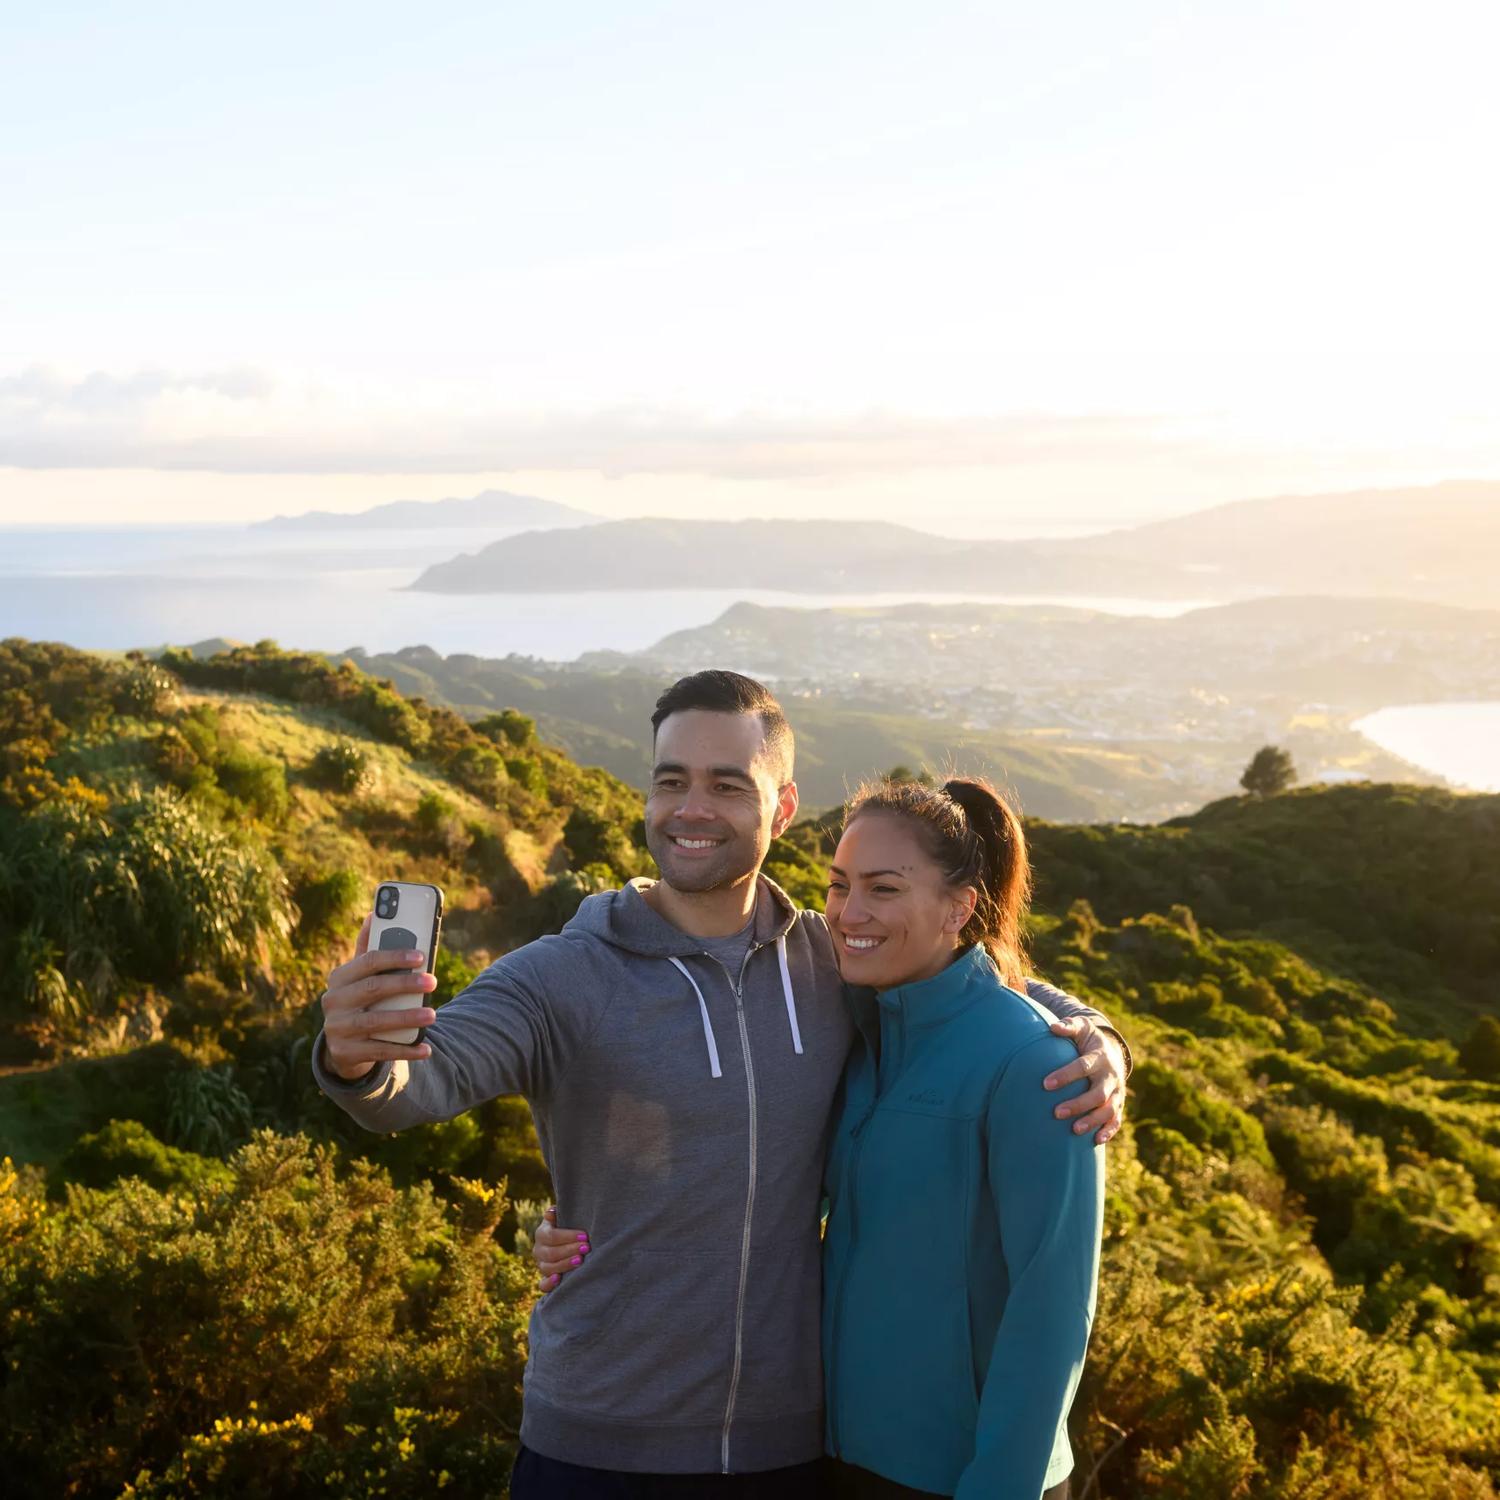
{"points": [[695, 843], [862, 945]]}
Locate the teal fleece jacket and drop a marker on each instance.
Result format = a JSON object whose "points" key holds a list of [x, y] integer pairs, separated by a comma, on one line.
{"points": [[961, 1260]]}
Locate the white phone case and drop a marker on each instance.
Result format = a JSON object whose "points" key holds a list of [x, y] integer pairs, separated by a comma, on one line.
{"points": [[416, 923]]}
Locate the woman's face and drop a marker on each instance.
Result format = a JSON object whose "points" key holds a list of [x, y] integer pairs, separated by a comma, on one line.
{"points": [[894, 918]]}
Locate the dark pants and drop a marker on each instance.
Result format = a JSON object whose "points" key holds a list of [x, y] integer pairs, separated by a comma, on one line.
{"points": [[850, 1483], [538, 1478]]}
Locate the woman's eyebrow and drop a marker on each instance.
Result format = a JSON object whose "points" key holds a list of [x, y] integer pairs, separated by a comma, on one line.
{"points": [[868, 874]]}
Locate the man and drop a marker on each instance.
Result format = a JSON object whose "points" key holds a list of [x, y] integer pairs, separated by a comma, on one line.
{"points": [[680, 1044]]}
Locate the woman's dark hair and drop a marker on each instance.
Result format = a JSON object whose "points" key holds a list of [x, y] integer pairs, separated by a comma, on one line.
{"points": [[976, 839]]}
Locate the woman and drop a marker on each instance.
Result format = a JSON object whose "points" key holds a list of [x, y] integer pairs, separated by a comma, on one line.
{"points": [[962, 1247]]}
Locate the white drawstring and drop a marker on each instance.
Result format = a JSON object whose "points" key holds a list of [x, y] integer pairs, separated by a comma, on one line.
{"points": [[786, 989], [708, 1031]]}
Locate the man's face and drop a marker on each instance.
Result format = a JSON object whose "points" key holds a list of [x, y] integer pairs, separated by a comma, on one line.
{"points": [[714, 805]]}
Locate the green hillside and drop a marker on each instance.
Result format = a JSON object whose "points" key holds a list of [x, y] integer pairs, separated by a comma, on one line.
{"points": [[211, 1283], [603, 716]]}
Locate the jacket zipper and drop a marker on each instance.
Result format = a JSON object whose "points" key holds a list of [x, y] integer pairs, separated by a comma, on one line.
{"points": [[739, 1305], [851, 1170]]}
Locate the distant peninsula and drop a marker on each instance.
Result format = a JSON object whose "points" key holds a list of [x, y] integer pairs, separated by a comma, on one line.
{"points": [[1436, 543], [497, 508]]}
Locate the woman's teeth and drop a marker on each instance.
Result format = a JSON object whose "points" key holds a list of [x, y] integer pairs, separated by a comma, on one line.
{"points": [[862, 945]]}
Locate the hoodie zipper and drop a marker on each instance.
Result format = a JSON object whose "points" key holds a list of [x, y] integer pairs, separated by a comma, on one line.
{"points": [[851, 1172], [739, 1306]]}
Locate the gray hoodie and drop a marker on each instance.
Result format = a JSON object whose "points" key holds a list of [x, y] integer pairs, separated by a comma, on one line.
{"points": [[683, 1113]]}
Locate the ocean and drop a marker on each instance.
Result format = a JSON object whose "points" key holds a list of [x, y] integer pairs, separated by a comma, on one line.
{"points": [[328, 591]]}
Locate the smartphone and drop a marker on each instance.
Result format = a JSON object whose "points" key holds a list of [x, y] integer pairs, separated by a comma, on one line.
{"points": [[406, 916]]}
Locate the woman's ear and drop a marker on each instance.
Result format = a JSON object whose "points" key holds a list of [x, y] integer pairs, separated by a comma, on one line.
{"points": [[965, 899]]}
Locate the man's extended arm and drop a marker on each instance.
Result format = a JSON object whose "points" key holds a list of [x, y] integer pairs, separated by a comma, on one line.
{"points": [[501, 1035]]}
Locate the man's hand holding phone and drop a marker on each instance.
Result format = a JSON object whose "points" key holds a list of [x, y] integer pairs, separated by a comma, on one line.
{"points": [[350, 1047]]}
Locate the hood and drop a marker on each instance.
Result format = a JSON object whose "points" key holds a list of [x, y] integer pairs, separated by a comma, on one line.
{"points": [[623, 919]]}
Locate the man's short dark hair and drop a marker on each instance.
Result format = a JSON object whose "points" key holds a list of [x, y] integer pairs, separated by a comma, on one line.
{"points": [[721, 692]]}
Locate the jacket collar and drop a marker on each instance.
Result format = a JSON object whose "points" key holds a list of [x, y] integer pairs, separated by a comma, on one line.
{"points": [[624, 919], [929, 1002]]}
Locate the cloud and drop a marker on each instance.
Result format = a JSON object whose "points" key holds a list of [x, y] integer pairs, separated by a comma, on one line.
{"points": [[244, 421]]}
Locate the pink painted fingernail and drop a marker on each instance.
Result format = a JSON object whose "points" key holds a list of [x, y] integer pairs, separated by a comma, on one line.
{"points": [[583, 1238], [577, 1260], [583, 1249]]}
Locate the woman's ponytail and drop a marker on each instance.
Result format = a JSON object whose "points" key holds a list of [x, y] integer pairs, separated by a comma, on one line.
{"points": [[1004, 872]]}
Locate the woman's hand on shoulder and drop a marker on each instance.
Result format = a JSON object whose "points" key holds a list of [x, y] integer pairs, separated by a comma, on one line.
{"points": [[557, 1251]]}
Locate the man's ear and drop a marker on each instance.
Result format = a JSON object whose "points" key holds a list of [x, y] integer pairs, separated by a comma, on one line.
{"points": [[786, 809]]}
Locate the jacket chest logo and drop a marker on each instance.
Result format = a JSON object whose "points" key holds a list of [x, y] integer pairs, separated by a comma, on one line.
{"points": [[927, 1096]]}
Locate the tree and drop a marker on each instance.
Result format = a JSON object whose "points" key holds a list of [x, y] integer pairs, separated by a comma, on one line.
{"points": [[1270, 771]]}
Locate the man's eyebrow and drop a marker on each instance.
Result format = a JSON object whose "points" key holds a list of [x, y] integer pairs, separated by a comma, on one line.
{"points": [[738, 772]]}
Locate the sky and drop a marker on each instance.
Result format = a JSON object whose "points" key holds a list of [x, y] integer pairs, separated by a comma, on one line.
{"points": [[959, 265]]}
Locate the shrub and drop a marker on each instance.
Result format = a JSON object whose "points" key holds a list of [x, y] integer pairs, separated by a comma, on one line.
{"points": [[508, 727], [145, 691], [595, 839], [340, 767], [1480, 1054], [207, 1111], [1164, 1095], [256, 782], [151, 889], [480, 770], [527, 774], [125, 1148], [289, 1332], [439, 825], [326, 901]]}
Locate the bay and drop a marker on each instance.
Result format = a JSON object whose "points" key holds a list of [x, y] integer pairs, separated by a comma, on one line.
{"points": [[1458, 741], [114, 589]]}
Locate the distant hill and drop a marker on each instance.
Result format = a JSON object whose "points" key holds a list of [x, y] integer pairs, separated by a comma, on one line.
{"points": [[1437, 544], [810, 556], [498, 508], [1086, 715], [1366, 652]]}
